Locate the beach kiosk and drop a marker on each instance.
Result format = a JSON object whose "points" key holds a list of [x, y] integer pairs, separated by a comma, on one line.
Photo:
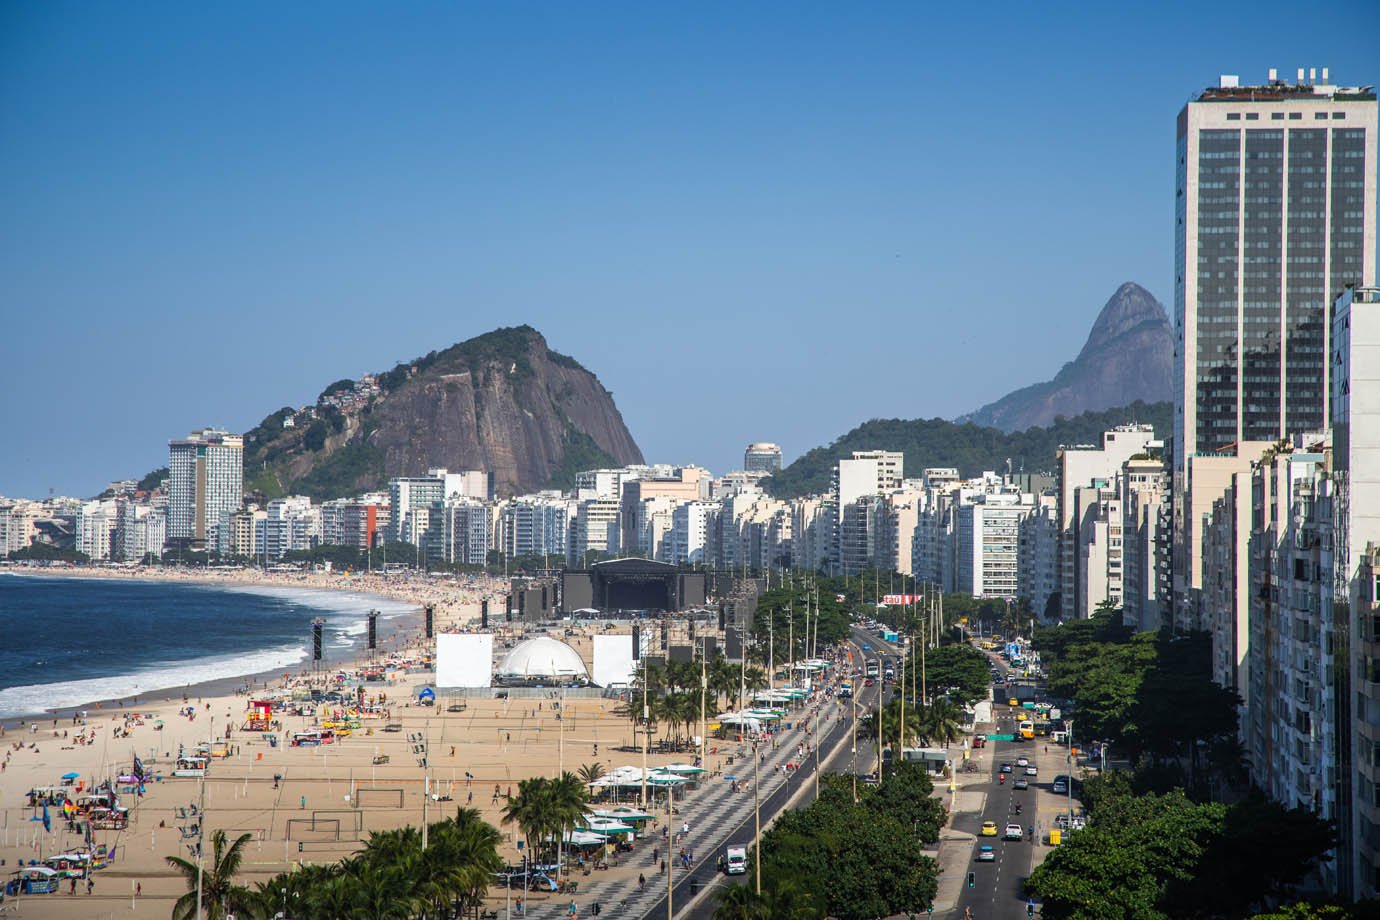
{"points": [[37, 880], [190, 765]]}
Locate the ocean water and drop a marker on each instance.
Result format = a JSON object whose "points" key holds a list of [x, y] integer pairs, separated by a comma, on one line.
{"points": [[68, 641]]}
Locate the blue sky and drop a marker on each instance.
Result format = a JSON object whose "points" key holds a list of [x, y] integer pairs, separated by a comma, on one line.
{"points": [[752, 221]]}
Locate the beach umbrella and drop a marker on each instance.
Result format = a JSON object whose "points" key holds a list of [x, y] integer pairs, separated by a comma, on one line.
{"points": [[71, 776]]}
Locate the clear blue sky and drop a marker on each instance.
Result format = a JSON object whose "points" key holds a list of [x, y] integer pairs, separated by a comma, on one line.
{"points": [[752, 221]]}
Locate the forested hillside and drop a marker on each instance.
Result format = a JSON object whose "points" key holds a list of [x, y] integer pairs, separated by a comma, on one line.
{"points": [[970, 448]]}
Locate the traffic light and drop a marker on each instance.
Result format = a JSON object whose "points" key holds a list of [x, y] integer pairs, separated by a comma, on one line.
{"points": [[972, 880], [1030, 909]]}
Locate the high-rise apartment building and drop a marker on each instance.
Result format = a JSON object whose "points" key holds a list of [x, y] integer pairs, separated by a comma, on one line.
{"points": [[205, 482], [1355, 409], [763, 457], [1078, 468], [1274, 217]]}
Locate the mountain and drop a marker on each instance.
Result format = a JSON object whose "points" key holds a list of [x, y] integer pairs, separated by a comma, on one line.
{"points": [[969, 447], [501, 402], [1129, 356]]}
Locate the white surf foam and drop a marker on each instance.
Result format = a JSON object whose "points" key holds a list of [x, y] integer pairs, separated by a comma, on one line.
{"points": [[31, 699]]}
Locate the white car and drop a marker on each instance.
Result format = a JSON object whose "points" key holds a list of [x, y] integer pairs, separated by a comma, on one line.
{"points": [[1060, 787], [1031, 771], [1013, 832], [1022, 761]]}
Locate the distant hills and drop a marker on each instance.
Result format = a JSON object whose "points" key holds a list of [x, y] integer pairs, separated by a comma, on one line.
{"points": [[501, 402], [1128, 357], [969, 447]]}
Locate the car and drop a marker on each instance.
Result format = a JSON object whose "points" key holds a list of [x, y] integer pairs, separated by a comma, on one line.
{"points": [[1021, 784], [1006, 768], [1013, 832], [1060, 787], [870, 682], [1022, 761], [866, 647], [1031, 771], [989, 829], [985, 853]]}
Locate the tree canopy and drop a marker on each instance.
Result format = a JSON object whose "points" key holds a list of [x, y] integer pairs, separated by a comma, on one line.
{"points": [[850, 860], [1155, 857], [969, 447]]}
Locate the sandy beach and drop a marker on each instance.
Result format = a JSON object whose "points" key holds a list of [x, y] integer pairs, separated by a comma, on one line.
{"points": [[300, 804]]}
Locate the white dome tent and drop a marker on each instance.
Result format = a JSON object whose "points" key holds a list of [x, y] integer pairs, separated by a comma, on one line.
{"points": [[542, 661]]}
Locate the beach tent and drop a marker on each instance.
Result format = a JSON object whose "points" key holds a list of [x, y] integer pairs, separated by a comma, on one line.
{"points": [[426, 693]]}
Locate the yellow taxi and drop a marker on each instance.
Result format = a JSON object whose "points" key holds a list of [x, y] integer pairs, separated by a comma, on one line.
{"points": [[989, 829]]}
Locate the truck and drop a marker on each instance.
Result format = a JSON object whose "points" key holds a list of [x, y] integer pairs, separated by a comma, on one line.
{"points": [[735, 860]]}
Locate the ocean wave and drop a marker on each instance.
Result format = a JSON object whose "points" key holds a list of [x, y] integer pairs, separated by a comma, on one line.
{"points": [[36, 698]]}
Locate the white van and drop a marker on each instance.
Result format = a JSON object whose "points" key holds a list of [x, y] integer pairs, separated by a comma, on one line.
{"points": [[735, 861]]}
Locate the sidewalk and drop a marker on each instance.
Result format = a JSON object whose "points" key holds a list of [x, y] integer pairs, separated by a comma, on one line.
{"points": [[955, 849]]}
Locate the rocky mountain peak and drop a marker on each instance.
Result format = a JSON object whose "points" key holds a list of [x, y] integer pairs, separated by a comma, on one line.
{"points": [[1128, 357], [1128, 308]]}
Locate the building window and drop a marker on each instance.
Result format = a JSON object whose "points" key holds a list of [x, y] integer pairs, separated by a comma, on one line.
{"points": [[1252, 116], [1276, 116], [1233, 116], [1338, 116], [1296, 116], [1320, 116]]}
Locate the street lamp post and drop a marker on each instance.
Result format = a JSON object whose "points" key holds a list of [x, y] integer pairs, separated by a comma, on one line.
{"points": [[757, 817]]}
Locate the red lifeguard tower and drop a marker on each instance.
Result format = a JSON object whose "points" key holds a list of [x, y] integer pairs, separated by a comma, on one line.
{"points": [[259, 717]]}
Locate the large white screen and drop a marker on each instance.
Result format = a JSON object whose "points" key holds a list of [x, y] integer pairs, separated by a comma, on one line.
{"points": [[613, 660], [464, 659]]}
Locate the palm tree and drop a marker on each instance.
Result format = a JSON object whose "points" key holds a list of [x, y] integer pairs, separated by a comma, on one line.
{"points": [[941, 722], [739, 902], [590, 773], [219, 893], [530, 809], [781, 899]]}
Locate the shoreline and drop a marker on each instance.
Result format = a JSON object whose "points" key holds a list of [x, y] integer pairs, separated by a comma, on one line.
{"points": [[397, 632]]}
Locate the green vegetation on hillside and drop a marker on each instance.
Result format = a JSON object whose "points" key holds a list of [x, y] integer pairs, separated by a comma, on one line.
{"points": [[939, 442], [152, 480], [356, 465], [581, 453]]}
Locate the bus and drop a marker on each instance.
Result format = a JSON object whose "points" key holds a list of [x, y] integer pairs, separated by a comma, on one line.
{"points": [[1027, 730]]}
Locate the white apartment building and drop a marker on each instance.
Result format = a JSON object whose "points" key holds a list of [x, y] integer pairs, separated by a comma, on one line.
{"points": [[598, 527], [205, 482], [1289, 726], [690, 528], [1039, 557], [96, 521], [653, 526], [465, 524], [1355, 407], [1078, 467], [536, 525], [18, 525], [291, 523], [1144, 506], [987, 544], [410, 500]]}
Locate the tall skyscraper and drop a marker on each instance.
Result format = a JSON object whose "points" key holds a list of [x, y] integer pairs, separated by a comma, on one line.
{"points": [[1274, 217], [762, 456], [205, 481]]}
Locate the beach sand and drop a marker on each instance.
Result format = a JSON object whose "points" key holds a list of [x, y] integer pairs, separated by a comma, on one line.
{"points": [[329, 798]]}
